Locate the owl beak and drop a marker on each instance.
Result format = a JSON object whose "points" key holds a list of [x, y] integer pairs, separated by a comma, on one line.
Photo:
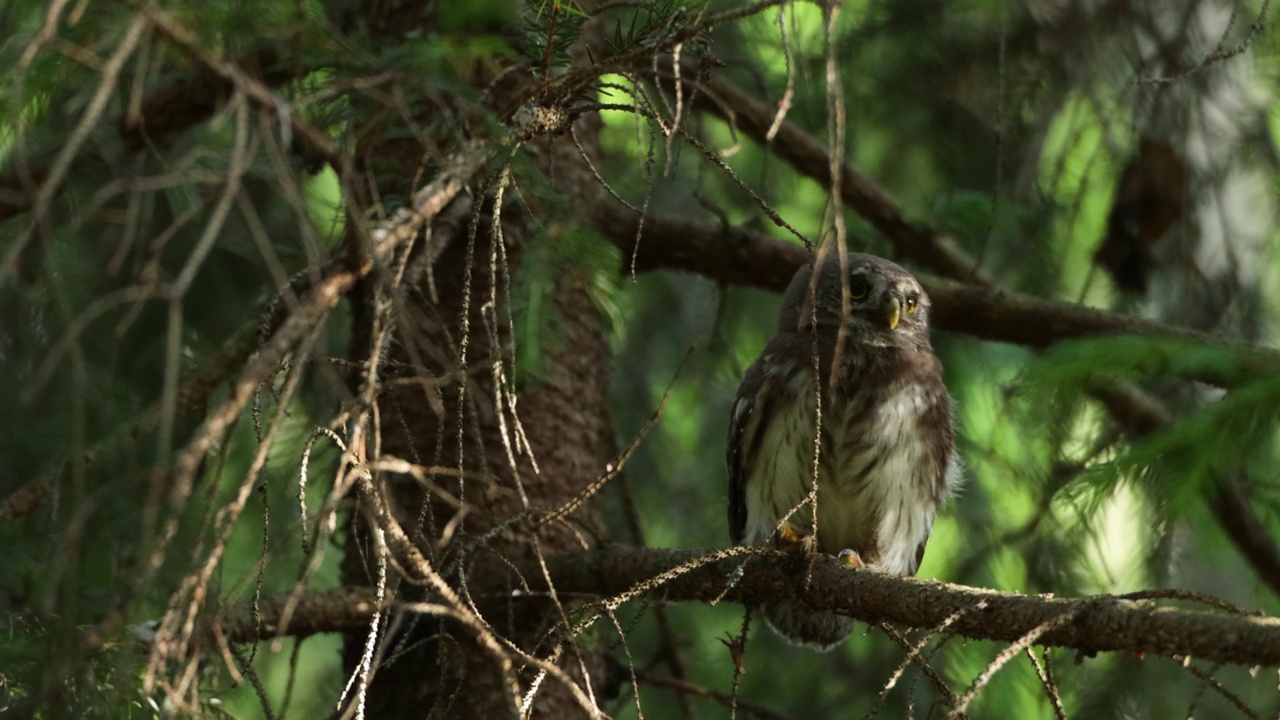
{"points": [[892, 312]]}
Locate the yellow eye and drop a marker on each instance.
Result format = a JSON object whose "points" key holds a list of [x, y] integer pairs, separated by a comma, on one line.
{"points": [[911, 304], [858, 288]]}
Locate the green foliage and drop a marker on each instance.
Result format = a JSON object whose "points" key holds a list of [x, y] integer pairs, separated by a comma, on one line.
{"points": [[551, 27], [649, 24], [1180, 462], [1071, 366], [978, 117], [443, 63]]}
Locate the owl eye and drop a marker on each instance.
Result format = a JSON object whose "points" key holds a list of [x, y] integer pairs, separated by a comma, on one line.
{"points": [[858, 288], [912, 301]]}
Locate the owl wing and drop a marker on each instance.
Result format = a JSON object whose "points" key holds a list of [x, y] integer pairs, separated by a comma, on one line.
{"points": [[944, 468], [752, 407]]}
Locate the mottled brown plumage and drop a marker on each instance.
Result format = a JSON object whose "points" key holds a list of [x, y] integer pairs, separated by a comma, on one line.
{"points": [[887, 457]]}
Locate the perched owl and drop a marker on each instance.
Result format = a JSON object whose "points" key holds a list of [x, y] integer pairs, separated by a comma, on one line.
{"points": [[887, 458]]}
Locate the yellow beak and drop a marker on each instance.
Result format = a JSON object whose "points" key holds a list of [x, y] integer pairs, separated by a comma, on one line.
{"points": [[892, 312]]}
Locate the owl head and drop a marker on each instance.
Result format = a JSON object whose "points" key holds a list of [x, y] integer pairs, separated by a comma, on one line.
{"points": [[887, 306]]}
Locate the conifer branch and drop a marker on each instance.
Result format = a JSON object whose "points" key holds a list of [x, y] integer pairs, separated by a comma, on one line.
{"points": [[1138, 623], [745, 257]]}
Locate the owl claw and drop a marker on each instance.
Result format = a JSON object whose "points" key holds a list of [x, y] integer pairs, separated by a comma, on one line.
{"points": [[851, 558], [793, 542]]}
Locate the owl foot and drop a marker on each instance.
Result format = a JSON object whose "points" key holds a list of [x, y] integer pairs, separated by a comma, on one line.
{"points": [[793, 542], [851, 558]]}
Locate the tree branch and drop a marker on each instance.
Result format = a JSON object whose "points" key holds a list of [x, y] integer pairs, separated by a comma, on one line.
{"points": [[1092, 624], [924, 244], [745, 257], [341, 610], [1229, 503]]}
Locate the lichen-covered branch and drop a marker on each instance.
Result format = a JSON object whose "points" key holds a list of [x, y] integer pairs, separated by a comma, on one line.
{"points": [[1092, 624]]}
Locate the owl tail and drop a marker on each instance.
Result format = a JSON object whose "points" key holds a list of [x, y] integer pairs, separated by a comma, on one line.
{"points": [[817, 630]]}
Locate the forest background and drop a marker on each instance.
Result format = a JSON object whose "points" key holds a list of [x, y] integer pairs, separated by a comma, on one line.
{"points": [[374, 358]]}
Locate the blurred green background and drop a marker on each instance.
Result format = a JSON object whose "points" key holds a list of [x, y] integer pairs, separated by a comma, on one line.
{"points": [[1012, 126]]}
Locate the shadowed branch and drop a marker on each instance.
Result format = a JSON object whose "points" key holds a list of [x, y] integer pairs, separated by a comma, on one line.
{"points": [[1136, 624], [745, 257]]}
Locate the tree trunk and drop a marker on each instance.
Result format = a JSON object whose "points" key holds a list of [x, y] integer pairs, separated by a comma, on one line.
{"points": [[452, 671]]}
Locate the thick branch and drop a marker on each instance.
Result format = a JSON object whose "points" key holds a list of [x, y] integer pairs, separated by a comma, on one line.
{"points": [[1229, 503], [341, 610], [924, 244], [1095, 624], [745, 257]]}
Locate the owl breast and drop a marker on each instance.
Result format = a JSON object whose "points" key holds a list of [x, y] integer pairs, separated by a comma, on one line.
{"points": [[881, 477]]}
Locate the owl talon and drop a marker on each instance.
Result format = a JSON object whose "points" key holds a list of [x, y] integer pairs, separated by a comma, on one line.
{"points": [[793, 542], [851, 558]]}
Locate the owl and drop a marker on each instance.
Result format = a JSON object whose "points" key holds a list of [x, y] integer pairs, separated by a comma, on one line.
{"points": [[886, 458]]}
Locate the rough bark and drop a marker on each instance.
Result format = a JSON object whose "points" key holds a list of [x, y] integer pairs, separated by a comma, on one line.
{"points": [[454, 672], [1143, 622], [563, 414]]}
